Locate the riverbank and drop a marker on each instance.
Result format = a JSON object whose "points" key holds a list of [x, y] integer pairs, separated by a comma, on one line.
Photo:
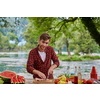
{"points": [[65, 57]]}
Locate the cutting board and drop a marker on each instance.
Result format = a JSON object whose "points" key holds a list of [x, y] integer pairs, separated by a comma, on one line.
{"points": [[50, 81]]}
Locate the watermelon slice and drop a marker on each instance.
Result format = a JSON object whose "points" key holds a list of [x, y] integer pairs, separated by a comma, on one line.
{"points": [[14, 80], [11, 77], [21, 79], [7, 75]]}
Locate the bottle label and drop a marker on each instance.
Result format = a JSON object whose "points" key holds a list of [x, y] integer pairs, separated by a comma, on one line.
{"points": [[94, 76], [75, 79]]}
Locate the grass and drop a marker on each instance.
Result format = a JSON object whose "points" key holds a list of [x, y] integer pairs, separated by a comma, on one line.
{"points": [[77, 57], [4, 55]]}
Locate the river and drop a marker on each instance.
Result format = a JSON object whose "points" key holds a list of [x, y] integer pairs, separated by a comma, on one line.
{"points": [[17, 62]]}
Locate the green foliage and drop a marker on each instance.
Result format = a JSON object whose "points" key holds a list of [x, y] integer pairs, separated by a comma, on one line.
{"points": [[82, 41], [91, 57], [55, 26], [4, 41], [69, 32], [77, 58]]}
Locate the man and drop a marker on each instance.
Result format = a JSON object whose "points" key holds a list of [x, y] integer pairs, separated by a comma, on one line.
{"points": [[39, 60]]}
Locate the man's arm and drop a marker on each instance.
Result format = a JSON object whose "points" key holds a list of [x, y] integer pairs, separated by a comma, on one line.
{"points": [[55, 61], [50, 71], [54, 58], [30, 67], [30, 63]]}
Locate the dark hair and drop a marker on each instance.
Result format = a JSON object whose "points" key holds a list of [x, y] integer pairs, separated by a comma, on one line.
{"points": [[45, 36]]}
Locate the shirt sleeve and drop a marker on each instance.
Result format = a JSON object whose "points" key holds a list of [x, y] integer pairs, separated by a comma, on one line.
{"points": [[30, 63], [54, 57]]}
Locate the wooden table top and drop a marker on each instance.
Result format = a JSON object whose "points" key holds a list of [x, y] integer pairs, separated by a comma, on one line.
{"points": [[32, 81]]}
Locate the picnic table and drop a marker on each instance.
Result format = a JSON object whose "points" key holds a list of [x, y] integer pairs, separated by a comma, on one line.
{"points": [[32, 81]]}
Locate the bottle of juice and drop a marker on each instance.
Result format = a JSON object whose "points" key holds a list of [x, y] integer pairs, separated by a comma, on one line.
{"points": [[93, 74], [75, 77], [79, 73]]}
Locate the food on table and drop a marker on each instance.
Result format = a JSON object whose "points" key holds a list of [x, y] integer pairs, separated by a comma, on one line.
{"points": [[56, 81], [89, 82], [62, 78], [1, 81], [39, 79], [62, 82], [11, 77], [84, 81], [69, 82]]}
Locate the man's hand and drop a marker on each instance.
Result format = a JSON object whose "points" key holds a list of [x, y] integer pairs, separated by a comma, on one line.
{"points": [[50, 71], [40, 74]]}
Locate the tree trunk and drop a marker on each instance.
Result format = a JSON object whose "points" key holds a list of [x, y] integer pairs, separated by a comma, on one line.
{"points": [[89, 52], [60, 51], [87, 21], [68, 49]]}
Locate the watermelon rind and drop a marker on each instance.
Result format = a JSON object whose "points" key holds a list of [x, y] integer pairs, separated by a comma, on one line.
{"points": [[5, 79], [1, 81]]}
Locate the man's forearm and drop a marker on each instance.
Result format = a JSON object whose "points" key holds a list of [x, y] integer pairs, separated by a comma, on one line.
{"points": [[54, 66], [36, 71]]}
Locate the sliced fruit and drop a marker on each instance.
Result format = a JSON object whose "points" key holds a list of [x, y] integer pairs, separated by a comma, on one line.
{"points": [[62, 78], [62, 82], [56, 81], [89, 81]]}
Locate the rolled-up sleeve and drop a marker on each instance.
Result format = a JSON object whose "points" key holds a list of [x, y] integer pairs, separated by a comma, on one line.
{"points": [[30, 63], [54, 57]]}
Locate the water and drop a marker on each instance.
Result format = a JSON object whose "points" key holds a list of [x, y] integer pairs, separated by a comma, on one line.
{"points": [[17, 63], [86, 67]]}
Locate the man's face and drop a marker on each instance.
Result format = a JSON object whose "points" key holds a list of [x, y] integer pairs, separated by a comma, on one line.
{"points": [[43, 44]]}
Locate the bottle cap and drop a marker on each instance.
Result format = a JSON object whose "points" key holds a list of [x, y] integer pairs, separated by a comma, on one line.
{"points": [[72, 73]]}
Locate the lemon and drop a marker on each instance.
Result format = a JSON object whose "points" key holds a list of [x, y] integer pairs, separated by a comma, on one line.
{"points": [[62, 82], [62, 78]]}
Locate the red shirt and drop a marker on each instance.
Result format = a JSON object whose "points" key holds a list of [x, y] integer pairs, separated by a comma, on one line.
{"points": [[35, 61]]}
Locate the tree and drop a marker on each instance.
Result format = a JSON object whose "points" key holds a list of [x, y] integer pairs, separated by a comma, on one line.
{"points": [[88, 22], [63, 29], [55, 26], [83, 43], [4, 42], [13, 37]]}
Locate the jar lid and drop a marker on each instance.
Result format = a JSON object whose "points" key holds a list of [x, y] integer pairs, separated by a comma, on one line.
{"points": [[72, 73]]}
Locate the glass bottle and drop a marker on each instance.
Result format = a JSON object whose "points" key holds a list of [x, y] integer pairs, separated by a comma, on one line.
{"points": [[93, 74], [75, 71], [75, 77], [79, 73], [68, 70]]}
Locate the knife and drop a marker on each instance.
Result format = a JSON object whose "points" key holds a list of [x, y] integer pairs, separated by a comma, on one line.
{"points": [[48, 76]]}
